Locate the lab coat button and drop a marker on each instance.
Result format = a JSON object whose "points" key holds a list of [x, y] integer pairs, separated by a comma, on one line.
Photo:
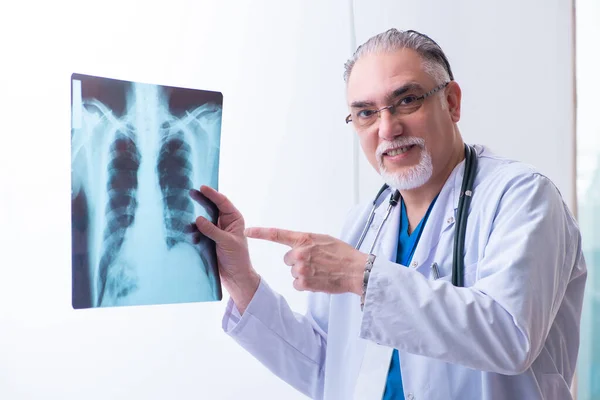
{"points": [[414, 264], [410, 396], [450, 220]]}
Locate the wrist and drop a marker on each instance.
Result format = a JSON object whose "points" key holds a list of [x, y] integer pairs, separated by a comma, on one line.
{"points": [[242, 289]]}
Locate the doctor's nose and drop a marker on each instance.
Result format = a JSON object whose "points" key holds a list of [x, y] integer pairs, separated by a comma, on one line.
{"points": [[389, 126]]}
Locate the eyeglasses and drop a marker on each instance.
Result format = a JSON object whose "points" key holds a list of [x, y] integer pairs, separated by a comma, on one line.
{"points": [[364, 118]]}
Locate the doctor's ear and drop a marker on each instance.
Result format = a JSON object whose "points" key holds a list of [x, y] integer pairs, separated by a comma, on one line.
{"points": [[453, 95]]}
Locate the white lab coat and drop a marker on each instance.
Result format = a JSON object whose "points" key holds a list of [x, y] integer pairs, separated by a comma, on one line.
{"points": [[511, 333]]}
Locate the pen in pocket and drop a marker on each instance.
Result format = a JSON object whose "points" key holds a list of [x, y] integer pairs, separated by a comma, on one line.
{"points": [[436, 272]]}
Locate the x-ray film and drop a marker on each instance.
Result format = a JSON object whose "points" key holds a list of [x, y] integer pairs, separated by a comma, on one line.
{"points": [[137, 150]]}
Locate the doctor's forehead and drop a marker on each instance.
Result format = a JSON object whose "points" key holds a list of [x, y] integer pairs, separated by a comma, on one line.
{"points": [[376, 76]]}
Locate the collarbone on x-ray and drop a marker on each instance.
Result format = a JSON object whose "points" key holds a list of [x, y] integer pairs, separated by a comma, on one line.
{"points": [[137, 169]]}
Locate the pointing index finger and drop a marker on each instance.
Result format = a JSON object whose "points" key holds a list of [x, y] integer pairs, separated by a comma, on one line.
{"points": [[289, 238]]}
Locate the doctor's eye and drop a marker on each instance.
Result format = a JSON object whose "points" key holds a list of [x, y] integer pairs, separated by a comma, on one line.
{"points": [[409, 104], [363, 114], [408, 100]]}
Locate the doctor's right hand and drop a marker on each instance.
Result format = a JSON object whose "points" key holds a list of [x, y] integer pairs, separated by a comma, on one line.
{"points": [[235, 268]]}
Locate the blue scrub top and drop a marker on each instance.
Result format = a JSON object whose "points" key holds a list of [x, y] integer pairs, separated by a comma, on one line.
{"points": [[406, 248]]}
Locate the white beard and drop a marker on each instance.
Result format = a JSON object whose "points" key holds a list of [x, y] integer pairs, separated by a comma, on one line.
{"points": [[413, 177]]}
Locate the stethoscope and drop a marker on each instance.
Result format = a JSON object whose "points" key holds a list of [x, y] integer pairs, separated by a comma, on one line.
{"points": [[466, 193]]}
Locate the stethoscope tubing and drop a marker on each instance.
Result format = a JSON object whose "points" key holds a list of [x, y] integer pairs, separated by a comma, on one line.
{"points": [[466, 194], [464, 202]]}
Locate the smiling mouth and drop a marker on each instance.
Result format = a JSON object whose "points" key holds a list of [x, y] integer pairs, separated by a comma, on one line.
{"points": [[399, 150]]}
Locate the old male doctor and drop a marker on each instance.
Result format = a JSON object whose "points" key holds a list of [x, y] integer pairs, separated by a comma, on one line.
{"points": [[404, 331]]}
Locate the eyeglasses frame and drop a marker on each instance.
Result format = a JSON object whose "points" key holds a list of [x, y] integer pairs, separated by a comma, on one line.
{"points": [[393, 106]]}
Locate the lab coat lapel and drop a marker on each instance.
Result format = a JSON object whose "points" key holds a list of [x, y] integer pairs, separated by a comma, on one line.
{"points": [[373, 371], [387, 245], [441, 220], [372, 376]]}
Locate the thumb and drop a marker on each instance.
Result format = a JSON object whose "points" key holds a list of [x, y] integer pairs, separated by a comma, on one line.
{"points": [[210, 230]]}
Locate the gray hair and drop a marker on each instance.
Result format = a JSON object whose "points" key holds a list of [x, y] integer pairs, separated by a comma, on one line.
{"points": [[435, 62]]}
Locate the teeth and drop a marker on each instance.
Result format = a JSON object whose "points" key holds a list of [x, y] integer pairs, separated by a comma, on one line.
{"points": [[401, 150]]}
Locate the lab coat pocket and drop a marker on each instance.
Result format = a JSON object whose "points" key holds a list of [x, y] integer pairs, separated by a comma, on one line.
{"points": [[446, 274], [554, 387]]}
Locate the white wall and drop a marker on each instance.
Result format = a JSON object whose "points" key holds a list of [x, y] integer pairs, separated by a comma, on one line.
{"points": [[588, 190], [286, 157], [513, 60]]}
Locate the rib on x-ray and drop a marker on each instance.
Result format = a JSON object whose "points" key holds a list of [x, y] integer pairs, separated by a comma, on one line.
{"points": [[137, 150]]}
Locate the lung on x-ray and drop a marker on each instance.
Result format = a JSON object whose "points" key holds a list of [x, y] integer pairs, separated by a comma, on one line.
{"points": [[137, 150]]}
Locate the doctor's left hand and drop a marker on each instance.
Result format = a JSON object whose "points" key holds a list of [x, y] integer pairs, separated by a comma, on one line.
{"points": [[320, 263]]}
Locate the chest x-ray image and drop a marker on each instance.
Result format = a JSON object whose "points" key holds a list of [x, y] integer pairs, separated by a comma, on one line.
{"points": [[136, 151]]}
